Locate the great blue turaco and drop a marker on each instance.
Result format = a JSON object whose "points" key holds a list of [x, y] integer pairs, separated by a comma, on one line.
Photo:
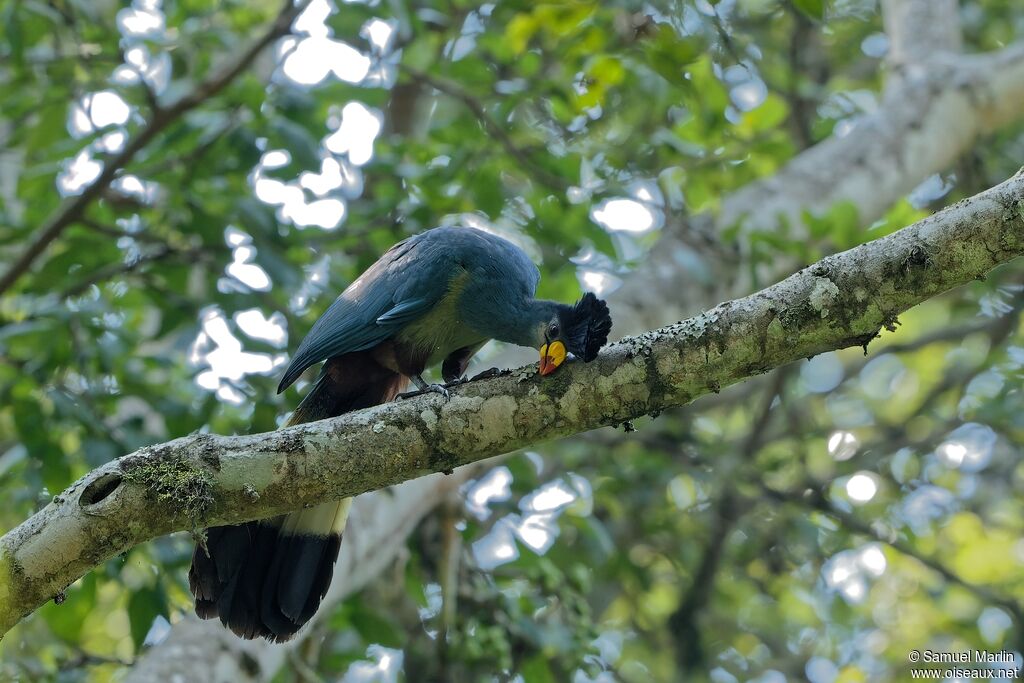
{"points": [[435, 297]]}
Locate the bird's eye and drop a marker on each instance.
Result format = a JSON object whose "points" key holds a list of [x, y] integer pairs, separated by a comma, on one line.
{"points": [[553, 330]]}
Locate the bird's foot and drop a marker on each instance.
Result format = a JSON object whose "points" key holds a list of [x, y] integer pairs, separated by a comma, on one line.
{"points": [[429, 389], [489, 373]]}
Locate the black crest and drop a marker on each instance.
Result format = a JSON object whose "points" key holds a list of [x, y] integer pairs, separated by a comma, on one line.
{"points": [[585, 327]]}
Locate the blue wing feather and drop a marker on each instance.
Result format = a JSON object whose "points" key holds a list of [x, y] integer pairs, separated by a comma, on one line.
{"points": [[406, 312]]}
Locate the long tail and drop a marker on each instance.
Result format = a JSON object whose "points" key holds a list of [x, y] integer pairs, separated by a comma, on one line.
{"points": [[267, 578]]}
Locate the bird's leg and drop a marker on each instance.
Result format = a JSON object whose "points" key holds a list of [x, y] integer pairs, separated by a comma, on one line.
{"points": [[423, 388], [486, 374], [453, 370]]}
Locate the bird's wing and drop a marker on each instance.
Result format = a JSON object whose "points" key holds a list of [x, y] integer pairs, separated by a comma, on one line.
{"points": [[405, 312], [405, 283]]}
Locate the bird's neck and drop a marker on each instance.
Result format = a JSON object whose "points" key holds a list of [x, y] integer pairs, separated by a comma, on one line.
{"points": [[522, 323]]}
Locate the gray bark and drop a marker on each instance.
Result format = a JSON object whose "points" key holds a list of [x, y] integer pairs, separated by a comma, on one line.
{"points": [[917, 29]]}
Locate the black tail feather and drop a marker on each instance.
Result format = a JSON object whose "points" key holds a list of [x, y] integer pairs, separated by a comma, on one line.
{"points": [[298, 579], [239, 609], [266, 578]]}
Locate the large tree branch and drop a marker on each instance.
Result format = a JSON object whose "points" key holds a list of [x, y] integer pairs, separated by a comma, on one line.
{"points": [[925, 121], [918, 29], [841, 301], [73, 209], [955, 100]]}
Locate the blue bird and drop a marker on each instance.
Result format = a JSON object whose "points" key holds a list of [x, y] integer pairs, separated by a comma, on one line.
{"points": [[436, 297]]}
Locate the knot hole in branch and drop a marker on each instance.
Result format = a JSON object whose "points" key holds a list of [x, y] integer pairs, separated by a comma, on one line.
{"points": [[100, 489]]}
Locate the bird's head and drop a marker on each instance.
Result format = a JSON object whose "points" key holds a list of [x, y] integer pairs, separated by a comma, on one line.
{"points": [[581, 329]]}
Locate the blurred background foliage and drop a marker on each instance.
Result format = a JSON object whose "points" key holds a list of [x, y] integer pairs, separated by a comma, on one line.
{"points": [[816, 525]]}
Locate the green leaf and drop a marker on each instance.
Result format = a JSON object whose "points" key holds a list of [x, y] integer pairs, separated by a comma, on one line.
{"points": [[303, 146], [537, 670], [144, 606], [669, 53], [815, 9], [376, 627], [67, 619]]}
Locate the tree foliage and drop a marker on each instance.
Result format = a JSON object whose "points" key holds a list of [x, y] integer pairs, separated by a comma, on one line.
{"points": [[820, 524]]}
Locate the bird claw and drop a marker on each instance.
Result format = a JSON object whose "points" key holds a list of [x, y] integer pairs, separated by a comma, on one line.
{"points": [[489, 373], [431, 389], [442, 389]]}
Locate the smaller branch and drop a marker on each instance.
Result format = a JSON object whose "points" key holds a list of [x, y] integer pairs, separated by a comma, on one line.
{"points": [[114, 269], [726, 514], [952, 334], [106, 230], [196, 154], [304, 673], [684, 621], [83, 659], [450, 564], [852, 523], [144, 236], [755, 439], [816, 500], [725, 37], [955, 377], [804, 62], [72, 209], [498, 131]]}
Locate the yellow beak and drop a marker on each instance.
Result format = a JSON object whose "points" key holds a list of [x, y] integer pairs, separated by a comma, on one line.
{"points": [[551, 356]]}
